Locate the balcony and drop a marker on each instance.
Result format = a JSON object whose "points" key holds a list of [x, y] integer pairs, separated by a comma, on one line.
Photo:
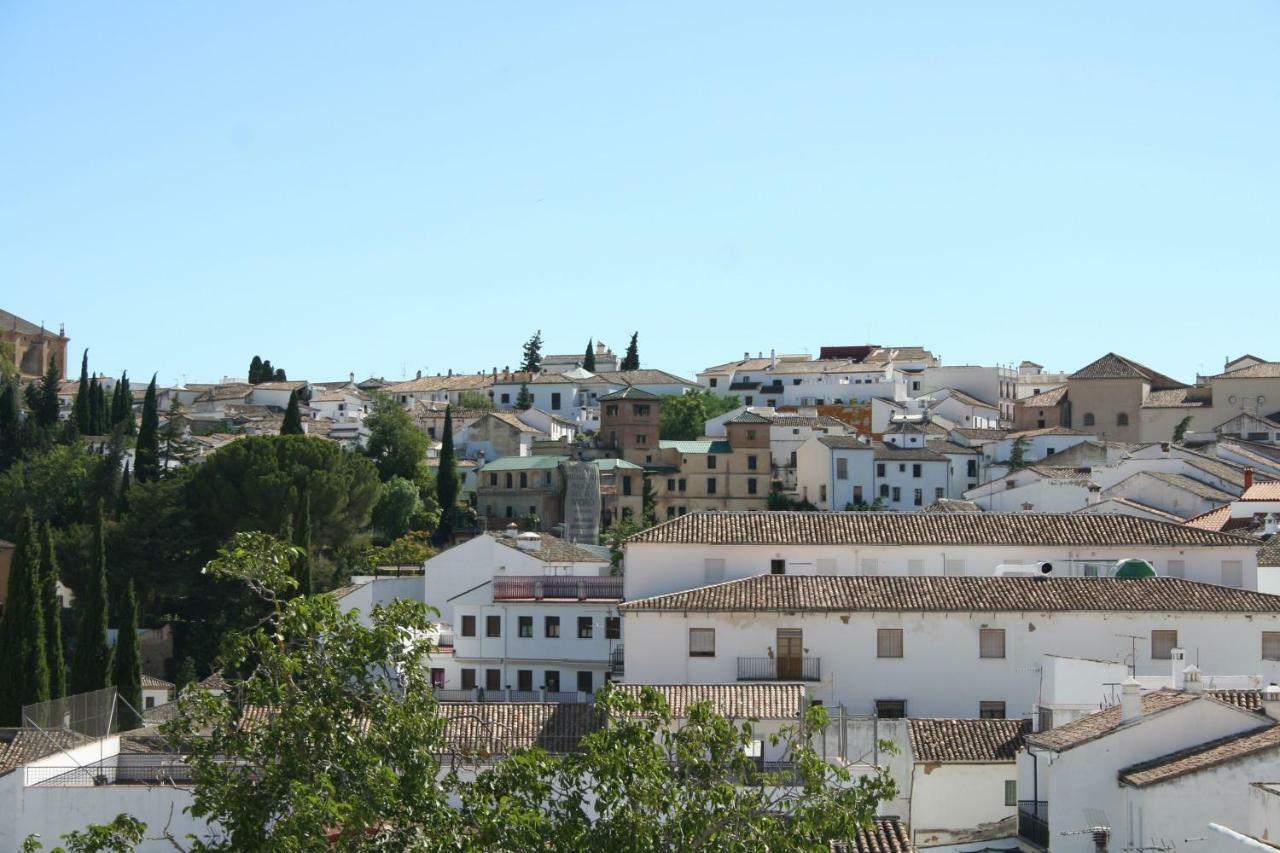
{"points": [[539, 588], [617, 661], [780, 669], [1033, 822]]}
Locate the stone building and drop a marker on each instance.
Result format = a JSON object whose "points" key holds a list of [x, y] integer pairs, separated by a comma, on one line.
{"points": [[33, 346]]}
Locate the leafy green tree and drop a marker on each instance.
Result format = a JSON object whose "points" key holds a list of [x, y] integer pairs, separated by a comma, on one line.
{"points": [[122, 835], [176, 447], [531, 360], [81, 406], [186, 673], [1018, 454], [631, 359], [95, 407], [396, 444], [475, 401], [447, 483], [24, 677], [146, 465], [122, 412], [396, 507], [8, 366], [524, 399], [683, 417], [91, 664], [615, 538], [292, 417], [122, 496], [57, 485], [255, 371], [126, 669], [52, 606], [1180, 431], [589, 357], [279, 375], [648, 504]]}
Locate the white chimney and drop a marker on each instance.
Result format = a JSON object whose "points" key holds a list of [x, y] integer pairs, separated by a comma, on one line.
{"points": [[1191, 679], [1270, 524], [528, 541], [1178, 657], [512, 530], [1130, 700], [1271, 701], [773, 358]]}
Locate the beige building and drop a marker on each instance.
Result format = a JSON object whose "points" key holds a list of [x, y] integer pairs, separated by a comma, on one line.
{"points": [[1107, 397], [32, 346], [720, 474]]}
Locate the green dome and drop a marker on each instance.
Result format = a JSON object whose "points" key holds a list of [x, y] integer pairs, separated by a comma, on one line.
{"points": [[1134, 568]]}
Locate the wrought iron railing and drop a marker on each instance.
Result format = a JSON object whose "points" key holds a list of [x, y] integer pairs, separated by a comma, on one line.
{"points": [[481, 695], [617, 661], [1033, 822], [780, 669], [537, 587]]}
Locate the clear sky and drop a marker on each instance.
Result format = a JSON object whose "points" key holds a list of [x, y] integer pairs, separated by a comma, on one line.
{"points": [[382, 187]]}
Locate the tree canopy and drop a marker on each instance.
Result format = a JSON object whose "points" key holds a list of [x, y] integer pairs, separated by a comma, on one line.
{"points": [[531, 360], [396, 444], [631, 359], [684, 416]]}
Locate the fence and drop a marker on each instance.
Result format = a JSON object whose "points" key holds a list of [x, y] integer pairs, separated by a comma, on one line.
{"points": [[779, 669], [571, 588], [119, 770], [93, 714], [481, 695]]}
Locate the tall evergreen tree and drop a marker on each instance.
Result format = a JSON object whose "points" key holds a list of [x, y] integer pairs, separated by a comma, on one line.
{"points": [[104, 409], [268, 372], [187, 673], [10, 424], [122, 406], [631, 361], [126, 668], [280, 375], [81, 407], [94, 424], [91, 664], [122, 497], [255, 371], [24, 676], [447, 483], [46, 406], [292, 417], [524, 399], [302, 539], [589, 360], [52, 605], [532, 359], [175, 443], [146, 465]]}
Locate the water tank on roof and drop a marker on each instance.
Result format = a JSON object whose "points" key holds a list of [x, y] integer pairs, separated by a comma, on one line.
{"points": [[1134, 568]]}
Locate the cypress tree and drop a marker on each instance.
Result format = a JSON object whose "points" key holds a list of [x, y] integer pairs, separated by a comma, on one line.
{"points": [[80, 408], [94, 423], [187, 673], [91, 664], [104, 410], [631, 361], [24, 677], [47, 406], [292, 417], [447, 482], [531, 361], [255, 371], [146, 466], [126, 406], [126, 669], [524, 400], [268, 372], [302, 539], [10, 425], [122, 497], [589, 360], [56, 655], [280, 375]]}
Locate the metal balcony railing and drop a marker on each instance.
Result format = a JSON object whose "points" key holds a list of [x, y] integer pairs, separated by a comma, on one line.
{"points": [[152, 770], [617, 661], [482, 695], [1033, 822], [780, 669], [537, 588]]}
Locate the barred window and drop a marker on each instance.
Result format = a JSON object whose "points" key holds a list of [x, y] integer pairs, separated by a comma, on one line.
{"points": [[702, 642], [1162, 644], [991, 643], [1271, 645], [889, 643]]}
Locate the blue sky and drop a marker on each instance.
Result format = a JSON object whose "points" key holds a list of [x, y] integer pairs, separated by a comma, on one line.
{"points": [[384, 187]]}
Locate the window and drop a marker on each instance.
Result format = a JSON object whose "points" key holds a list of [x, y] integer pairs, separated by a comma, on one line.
{"points": [[711, 462], [468, 679], [917, 470], [917, 498], [1177, 568], [1232, 573], [991, 643], [937, 493], [902, 467], [777, 567], [493, 679], [1088, 419], [842, 468], [884, 490], [506, 398], [509, 481], [493, 479], [711, 485], [681, 484], [613, 627], [1010, 792], [525, 628], [585, 626], [1162, 644], [642, 439], [671, 512], [879, 469], [991, 710], [524, 679], [793, 457], [551, 626], [953, 567], [713, 382], [751, 462], [1122, 419], [555, 407], [889, 643], [493, 626], [750, 400], [551, 679], [584, 680], [671, 484], [971, 468], [795, 381], [640, 410], [891, 709], [626, 485], [524, 480], [468, 626], [822, 492], [437, 677], [751, 436], [1271, 645], [857, 495], [870, 566], [751, 486], [151, 702], [897, 494], [611, 411], [713, 569], [702, 642]]}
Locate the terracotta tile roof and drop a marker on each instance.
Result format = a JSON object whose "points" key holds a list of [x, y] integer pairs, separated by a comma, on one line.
{"points": [[152, 683], [1058, 430], [1178, 398], [457, 382], [1112, 366], [952, 505], [982, 434], [1045, 399], [1201, 757], [899, 354], [944, 594], [496, 728], [216, 681], [1228, 472], [1265, 370], [787, 419], [225, 392], [554, 550], [885, 835], [967, 741], [1189, 484], [511, 420], [644, 377], [27, 745], [748, 417], [282, 386], [893, 528], [893, 453], [1250, 700], [1104, 722], [629, 393], [737, 701], [1269, 554], [731, 366], [845, 442], [13, 323], [966, 398], [1052, 472], [1266, 490], [1136, 505]]}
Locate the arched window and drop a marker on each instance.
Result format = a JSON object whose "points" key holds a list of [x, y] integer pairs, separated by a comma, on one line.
{"points": [[1088, 418], [1122, 419], [524, 480]]}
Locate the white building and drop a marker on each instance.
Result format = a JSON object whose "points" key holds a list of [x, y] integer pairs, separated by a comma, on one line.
{"points": [[788, 431], [1033, 379]]}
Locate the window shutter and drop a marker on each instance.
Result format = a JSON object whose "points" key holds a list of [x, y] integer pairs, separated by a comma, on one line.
{"points": [[702, 642]]}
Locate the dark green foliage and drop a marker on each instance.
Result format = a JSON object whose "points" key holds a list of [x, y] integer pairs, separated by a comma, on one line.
{"points": [[1180, 431], [81, 406], [1018, 454], [24, 675], [684, 416], [778, 500], [268, 372], [91, 665], [10, 424], [52, 606], [102, 410], [302, 539], [255, 371], [649, 504], [58, 485], [292, 417], [122, 497], [397, 505], [589, 359], [126, 669], [187, 673], [280, 375], [475, 401], [631, 361], [45, 400], [175, 445], [531, 361], [122, 414], [524, 400], [146, 466], [396, 444], [447, 483]]}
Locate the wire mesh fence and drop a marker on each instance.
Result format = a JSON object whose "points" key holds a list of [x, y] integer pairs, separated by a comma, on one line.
{"points": [[92, 714]]}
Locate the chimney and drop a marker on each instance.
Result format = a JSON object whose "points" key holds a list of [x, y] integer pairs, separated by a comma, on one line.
{"points": [[1270, 524], [512, 530], [1178, 657], [419, 376], [1271, 701], [1130, 700], [1101, 838], [1191, 679], [451, 372], [352, 378], [746, 355], [1248, 477], [773, 358]]}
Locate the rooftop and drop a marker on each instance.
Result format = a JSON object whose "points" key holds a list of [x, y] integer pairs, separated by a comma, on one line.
{"points": [[1201, 757], [967, 741], [885, 835], [524, 463], [1045, 399], [496, 728], [629, 393], [1112, 366], [694, 447], [736, 701], [552, 549], [1105, 722]]}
